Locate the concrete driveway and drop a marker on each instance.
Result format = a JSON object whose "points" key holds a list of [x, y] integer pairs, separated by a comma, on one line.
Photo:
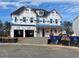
{"points": [[38, 51]]}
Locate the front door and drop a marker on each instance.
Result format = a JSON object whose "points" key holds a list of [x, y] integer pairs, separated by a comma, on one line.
{"points": [[43, 34]]}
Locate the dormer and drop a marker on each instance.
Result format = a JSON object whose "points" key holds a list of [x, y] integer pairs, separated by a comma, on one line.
{"points": [[40, 12]]}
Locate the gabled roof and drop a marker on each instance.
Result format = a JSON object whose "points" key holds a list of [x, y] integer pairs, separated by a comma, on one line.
{"points": [[46, 13], [55, 11], [18, 10]]}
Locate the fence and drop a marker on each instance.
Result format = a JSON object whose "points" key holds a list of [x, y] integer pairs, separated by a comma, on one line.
{"points": [[74, 40]]}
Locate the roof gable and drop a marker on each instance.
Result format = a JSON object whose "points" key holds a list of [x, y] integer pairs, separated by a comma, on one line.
{"points": [[55, 11], [46, 13], [18, 11]]}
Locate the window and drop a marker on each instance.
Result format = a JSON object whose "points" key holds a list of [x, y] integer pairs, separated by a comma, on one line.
{"points": [[31, 20], [24, 19], [37, 20], [40, 20], [20, 19], [50, 20], [60, 21], [43, 20], [16, 19], [56, 21], [51, 30], [55, 31], [41, 12]]}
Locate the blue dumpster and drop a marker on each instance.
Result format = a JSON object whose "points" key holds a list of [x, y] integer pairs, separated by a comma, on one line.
{"points": [[54, 39], [74, 40]]}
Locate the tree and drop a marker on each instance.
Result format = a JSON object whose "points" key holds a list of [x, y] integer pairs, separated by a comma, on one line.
{"points": [[1, 28], [68, 27], [7, 27], [1, 24]]}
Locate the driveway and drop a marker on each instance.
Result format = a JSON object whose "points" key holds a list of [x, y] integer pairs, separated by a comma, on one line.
{"points": [[37, 51]]}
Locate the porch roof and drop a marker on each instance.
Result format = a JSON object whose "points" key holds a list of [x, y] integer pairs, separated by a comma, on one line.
{"points": [[51, 26]]}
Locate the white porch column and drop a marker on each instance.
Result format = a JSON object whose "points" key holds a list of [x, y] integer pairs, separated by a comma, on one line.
{"points": [[23, 33], [35, 33], [41, 33], [11, 33]]}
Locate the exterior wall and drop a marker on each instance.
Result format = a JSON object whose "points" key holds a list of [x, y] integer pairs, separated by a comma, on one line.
{"points": [[41, 20], [28, 14], [47, 32], [36, 34], [76, 26], [22, 28], [54, 16], [39, 34], [31, 14]]}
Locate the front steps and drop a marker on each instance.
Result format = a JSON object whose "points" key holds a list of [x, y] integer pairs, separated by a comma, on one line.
{"points": [[33, 40]]}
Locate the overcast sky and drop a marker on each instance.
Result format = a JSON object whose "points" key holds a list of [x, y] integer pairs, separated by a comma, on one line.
{"points": [[68, 9]]}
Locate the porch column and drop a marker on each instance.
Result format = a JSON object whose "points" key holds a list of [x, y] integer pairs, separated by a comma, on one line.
{"points": [[23, 33], [11, 33], [35, 34]]}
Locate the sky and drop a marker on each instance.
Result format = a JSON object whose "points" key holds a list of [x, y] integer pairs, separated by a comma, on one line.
{"points": [[68, 9]]}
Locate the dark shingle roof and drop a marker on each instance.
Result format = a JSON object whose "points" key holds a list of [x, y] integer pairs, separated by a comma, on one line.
{"points": [[45, 12], [55, 11], [18, 11]]}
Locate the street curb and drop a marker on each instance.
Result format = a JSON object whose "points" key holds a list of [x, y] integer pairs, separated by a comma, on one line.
{"points": [[51, 45]]}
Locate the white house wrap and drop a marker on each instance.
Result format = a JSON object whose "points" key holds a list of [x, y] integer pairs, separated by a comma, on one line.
{"points": [[31, 22]]}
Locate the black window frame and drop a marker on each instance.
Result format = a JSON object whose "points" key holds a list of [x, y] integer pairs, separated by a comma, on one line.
{"points": [[20, 19], [31, 20], [43, 20], [24, 19], [55, 30], [38, 20], [60, 21], [56, 21], [16, 19], [50, 20]]}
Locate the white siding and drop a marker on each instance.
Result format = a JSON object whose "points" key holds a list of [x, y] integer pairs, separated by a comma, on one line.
{"points": [[76, 26], [31, 14], [28, 14], [22, 28], [54, 16]]}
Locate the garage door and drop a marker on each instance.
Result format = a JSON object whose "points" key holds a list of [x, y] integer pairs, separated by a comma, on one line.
{"points": [[29, 33], [18, 33]]}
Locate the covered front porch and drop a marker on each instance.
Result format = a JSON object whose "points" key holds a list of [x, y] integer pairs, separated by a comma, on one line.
{"points": [[45, 31]]}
